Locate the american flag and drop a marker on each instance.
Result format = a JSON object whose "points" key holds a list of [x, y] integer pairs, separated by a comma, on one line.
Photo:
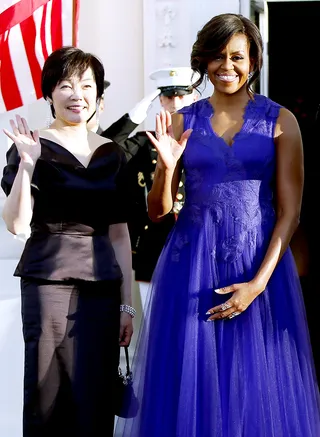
{"points": [[29, 31]]}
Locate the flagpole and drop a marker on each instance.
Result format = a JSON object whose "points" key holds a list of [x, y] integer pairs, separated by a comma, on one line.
{"points": [[75, 23]]}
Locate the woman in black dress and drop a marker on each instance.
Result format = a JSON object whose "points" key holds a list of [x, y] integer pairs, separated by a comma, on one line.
{"points": [[65, 185]]}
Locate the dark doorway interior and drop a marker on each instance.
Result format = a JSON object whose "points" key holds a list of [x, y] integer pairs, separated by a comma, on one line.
{"points": [[294, 51]]}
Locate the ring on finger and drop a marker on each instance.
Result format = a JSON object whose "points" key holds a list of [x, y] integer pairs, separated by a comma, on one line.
{"points": [[235, 314], [225, 306]]}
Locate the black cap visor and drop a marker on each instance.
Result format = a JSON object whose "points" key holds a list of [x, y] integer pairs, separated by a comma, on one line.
{"points": [[171, 91]]}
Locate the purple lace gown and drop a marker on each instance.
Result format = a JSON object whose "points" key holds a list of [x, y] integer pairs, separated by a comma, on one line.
{"points": [[252, 376]]}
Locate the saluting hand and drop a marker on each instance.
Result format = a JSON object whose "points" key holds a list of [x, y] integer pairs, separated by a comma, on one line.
{"points": [[168, 148], [28, 144]]}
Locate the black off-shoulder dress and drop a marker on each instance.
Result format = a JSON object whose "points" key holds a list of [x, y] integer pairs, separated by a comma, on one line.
{"points": [[70, 285]]}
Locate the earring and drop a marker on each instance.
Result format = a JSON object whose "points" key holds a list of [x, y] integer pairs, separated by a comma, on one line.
{"points": [[250, 75], [97, 114], [49, 114]]}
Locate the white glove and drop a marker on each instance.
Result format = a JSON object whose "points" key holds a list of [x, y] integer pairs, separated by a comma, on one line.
{"points": [[139, 113]]}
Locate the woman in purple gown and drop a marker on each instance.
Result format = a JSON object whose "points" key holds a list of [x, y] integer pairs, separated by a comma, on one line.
{"points": [[225, 350]]}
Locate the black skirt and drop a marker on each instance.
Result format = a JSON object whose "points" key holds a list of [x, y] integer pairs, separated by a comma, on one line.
{"points": [[71, 334]]}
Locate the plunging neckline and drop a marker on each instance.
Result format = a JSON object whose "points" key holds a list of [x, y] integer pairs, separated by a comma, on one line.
{"points": [[74, 156], [237, 134]]}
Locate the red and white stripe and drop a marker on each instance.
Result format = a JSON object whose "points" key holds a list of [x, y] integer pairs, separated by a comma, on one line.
{"points": [[29, 31]]}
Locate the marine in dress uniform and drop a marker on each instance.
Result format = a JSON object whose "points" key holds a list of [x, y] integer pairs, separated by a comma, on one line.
{"points": [[174, 87]]}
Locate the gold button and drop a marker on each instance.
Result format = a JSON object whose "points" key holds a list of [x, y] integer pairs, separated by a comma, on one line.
{"points": [[179, 196], [152, 175], [180, 184], [154, 161], [146, 227]]}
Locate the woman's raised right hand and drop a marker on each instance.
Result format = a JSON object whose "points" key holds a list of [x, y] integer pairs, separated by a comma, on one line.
{"points": [[27, 143], [168, 148]]}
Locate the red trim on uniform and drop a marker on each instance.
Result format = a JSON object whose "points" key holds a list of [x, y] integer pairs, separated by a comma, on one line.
{"points": [[28, 31], [9, 86]]}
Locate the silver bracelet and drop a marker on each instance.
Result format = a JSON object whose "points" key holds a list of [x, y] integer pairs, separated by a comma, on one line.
{"points": [[128, 309]]}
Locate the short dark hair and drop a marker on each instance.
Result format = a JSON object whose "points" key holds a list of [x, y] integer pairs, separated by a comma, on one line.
{"points": [[66, 62], [215, 35]]}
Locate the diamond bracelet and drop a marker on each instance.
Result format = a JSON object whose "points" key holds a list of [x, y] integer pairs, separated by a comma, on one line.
{"points": [[128, 309]]}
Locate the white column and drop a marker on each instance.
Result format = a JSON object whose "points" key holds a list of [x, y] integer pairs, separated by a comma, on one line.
{"points": [[113, 30], [11, 341]]}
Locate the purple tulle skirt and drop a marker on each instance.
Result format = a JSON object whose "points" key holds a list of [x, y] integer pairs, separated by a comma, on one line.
{"points": [[251, 376]]}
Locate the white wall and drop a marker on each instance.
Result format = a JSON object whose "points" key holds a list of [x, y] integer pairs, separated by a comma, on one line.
{"points": [[113, 30], [170, 30], [129, 36]]}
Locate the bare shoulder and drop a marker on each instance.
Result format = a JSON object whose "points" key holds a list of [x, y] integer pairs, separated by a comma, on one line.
{"points": [[287, 124], [177, 125], [45, 132], [96, 139], [52, 135]]}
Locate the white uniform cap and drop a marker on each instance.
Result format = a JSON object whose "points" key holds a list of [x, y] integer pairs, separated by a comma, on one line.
{"points": [[175, 80]]}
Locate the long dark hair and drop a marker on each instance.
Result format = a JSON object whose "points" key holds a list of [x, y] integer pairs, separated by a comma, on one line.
{"points": [[215, 35]]}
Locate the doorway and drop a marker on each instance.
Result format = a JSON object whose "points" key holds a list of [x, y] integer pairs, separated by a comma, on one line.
{"points": [[293, 52]]}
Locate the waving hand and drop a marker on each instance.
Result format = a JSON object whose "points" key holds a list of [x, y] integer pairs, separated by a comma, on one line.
{"points": [[168, 148], [27, 143]]}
